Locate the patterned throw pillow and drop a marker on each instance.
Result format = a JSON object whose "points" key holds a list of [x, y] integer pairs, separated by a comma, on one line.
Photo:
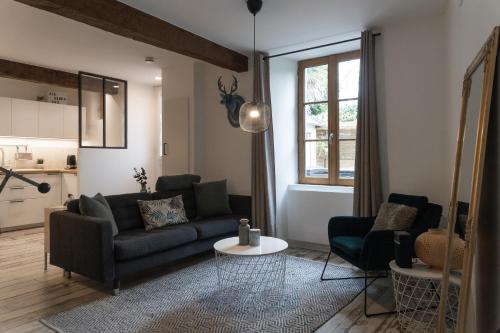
{"points": [[160, 213], [393, 216]]}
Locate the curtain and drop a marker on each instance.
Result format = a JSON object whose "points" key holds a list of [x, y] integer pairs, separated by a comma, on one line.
{"points": [[263, 176], [367, 184]]}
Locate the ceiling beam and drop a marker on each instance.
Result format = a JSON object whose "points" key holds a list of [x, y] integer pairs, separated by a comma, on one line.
{"points": [[121, 19], [25, 72], [19, 71]]}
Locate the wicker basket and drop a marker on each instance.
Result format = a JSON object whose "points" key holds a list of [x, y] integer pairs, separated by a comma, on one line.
{"points": [[430, 247]]}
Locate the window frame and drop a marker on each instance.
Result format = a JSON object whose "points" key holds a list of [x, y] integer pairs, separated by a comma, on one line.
{"points": [[333, 114], [104, 79]]}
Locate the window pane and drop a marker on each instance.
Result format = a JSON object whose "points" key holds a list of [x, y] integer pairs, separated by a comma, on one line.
{"points": [[316, 121], [348, 115], [347, 152], [115, 113], [316, 84], [348, 80], [316, 159], [92, 111]]}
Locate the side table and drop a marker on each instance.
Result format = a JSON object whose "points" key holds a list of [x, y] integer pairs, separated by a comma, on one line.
{"points": [[46, 227], [417, 291]]}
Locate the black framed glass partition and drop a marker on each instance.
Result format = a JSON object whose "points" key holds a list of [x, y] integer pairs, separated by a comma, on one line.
{"points": [[103, 111]]}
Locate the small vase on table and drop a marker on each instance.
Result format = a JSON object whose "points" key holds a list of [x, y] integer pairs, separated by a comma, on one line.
{"points": [[243, 231]]}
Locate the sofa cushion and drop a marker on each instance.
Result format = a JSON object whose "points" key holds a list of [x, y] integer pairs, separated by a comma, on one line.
{"points": [[350, 245], [175, 183], [392, 216], [212, 199], [160, 213], [126, 210], [213, 227], [97, 206], [171, 186], [137, 243]]}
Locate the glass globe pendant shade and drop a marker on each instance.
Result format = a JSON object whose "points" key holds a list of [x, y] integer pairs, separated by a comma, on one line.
{"points": [[255, 117]]}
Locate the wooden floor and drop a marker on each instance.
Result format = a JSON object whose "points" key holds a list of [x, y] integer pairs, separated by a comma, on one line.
{"points": [[28, 293]]}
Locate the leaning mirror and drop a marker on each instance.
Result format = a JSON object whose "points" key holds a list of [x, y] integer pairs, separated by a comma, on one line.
{"points": [[459, 286]]}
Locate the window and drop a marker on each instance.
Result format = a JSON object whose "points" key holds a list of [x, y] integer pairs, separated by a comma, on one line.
{"points": [[328, 109], [103, 111]]}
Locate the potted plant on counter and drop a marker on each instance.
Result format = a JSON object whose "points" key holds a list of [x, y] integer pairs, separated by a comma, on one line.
{"points": [[40, 163]]}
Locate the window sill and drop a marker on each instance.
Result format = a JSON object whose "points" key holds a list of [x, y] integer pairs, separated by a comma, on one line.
{"points": [[321, 188]]}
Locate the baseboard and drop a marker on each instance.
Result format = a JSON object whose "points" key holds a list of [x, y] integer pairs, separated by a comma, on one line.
{"points": [[22, 227], [308, 246]]}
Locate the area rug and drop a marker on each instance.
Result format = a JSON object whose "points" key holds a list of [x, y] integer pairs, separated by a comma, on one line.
{"points": [[188, 301]]}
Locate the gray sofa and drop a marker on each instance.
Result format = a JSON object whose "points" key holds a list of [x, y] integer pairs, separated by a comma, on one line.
{"points": [[85, 245]]}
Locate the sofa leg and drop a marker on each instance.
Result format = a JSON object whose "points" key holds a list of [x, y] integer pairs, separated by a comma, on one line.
{"points": [[66, 274], [116, 287]]}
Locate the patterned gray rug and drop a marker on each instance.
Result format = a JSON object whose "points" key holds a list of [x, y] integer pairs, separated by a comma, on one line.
{"points": [[188, 301]]}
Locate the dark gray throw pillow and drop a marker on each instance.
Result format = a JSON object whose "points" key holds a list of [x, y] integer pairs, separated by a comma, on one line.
{"points": [[212, 198], [98, 207]]}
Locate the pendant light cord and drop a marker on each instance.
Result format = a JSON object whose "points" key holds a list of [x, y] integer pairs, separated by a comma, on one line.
{"points": [[254, 52]]}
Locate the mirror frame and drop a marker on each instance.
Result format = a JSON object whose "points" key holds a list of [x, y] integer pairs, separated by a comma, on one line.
{"points": [[488, 55]]}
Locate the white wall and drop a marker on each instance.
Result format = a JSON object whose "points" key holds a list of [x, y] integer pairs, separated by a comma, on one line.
{"points": [[410, 75], [110, 171], [284, 85], [222, 151], [410, 85], [309, 209], [178, 81]]}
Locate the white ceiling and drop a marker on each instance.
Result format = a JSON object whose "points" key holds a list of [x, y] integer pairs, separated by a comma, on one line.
{"points": [[37, 37], [41, 38], [282, 22]]}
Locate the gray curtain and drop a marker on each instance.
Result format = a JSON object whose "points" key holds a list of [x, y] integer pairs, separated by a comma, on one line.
{"points": [[367, 184], [263, 176]]}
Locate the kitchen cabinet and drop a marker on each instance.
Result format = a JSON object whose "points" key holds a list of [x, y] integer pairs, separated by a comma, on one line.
{"points": [[50, 120], [5, 116], [24, 118], [22, 205], [70, 122]]}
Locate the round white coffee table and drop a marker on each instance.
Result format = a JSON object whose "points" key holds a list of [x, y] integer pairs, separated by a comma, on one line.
{"points": [[248, 269]]}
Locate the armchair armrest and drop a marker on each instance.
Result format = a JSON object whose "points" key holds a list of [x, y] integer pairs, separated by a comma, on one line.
{"points": [[82, 244], [378, 250], [349, 226]]}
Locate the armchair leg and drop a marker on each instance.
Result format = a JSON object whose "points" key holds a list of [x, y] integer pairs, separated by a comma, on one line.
{"points": [[365, 290], [340, 278]]}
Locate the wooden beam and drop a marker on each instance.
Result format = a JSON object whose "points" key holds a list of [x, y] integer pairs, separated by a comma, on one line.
{"points": [[121, 19], [20, 71], [37, 74]]}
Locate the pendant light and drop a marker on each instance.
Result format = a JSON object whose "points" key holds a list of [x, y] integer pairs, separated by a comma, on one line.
{"points": [[255, 116]]}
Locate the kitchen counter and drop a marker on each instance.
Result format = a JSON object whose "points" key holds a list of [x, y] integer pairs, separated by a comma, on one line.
{"points": [[43, 171]]}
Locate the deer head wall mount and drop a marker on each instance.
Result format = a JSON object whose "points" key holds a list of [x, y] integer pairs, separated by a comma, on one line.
{"points": [[232, 101]]}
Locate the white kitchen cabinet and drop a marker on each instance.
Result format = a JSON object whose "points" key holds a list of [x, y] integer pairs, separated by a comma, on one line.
{"points": [[19, 212], [22, 205], [5, 116], [50, 120], [69, 186], [70, 122], [24, 118]]}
